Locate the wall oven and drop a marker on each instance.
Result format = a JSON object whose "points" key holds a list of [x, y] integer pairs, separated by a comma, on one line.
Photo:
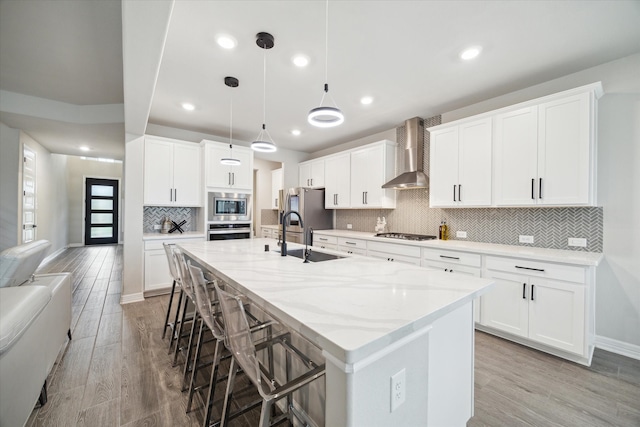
{"points": [[229, 216]]}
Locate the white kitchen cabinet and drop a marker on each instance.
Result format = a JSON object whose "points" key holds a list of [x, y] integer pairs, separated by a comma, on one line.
{"points": [[337, 181], [276, 186], [544, 303], [460, 165], [311, 174], [226, 177], [545, 153], [324, 241], [172, 174], [371, 167], [394, 252], [352, 246], [156, 266]]}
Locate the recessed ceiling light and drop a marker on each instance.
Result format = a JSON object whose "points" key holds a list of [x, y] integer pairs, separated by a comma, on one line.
{"points": [[301, 61], [470, 53], [188, 107], [295, 132], [366, 100], [226, 42], [84, 148]]}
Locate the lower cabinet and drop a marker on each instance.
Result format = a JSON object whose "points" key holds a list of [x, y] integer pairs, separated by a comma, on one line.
{"points": [[156, 266], [325, 242], [394, 253], [542, 302], [352, 246]]}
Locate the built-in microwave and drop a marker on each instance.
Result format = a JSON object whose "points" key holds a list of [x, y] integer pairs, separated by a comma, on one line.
{"points": [[229, 207]]}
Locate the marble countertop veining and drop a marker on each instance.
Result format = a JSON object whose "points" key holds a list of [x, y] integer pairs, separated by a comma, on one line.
{"points": [[350, 307], [538, 254]]}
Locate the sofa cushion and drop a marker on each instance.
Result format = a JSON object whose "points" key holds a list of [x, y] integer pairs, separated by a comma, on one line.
{"points": [[18, 263], [19, 307]]}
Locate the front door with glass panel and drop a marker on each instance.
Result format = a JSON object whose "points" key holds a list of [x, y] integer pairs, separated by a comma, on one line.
{"points": [[101, 220]]}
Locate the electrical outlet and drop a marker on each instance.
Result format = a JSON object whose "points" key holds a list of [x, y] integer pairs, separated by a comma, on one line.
{"points": [[349, 226], [575, 241], [157, 226], [398, 389], [461, 234], [526, 239]]}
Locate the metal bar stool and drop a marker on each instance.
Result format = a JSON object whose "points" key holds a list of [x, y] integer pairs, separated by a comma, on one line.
{"points": [[168, 249], [239, 341], [187, 297]]}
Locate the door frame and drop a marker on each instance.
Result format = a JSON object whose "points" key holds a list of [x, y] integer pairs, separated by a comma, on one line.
{"points": [[84, 204], [21, 226]]}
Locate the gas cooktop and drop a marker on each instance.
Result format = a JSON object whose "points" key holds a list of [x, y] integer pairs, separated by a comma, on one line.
{"points": [[405, 236]]}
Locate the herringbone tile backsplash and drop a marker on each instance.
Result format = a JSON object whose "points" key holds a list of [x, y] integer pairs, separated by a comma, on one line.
{"points": [[154, 215], [550, 227]]}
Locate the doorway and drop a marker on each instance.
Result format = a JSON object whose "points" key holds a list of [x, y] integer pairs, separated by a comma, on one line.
{"points": [[101, 211], [28, 195]]}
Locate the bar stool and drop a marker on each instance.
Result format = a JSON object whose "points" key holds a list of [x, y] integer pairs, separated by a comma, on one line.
{"points": [[239, 341], [187, 299], [168, 249]]}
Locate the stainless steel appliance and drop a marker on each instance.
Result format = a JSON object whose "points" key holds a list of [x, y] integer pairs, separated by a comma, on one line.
{"points": [[229, 216], [229, 207], [309, 202], [413, 175], [405, 236]]}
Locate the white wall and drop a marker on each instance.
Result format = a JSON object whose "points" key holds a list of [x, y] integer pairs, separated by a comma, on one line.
{"points": [[10, 154], [77, 170], [262, 188], [618, 277]]}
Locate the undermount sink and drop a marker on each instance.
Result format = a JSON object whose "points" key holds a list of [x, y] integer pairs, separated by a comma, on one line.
{"points": [[313, 256]]}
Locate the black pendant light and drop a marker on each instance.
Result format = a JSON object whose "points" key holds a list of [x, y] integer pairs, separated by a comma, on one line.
{"points": [[326, 116], [264, 142], [230, 161]]}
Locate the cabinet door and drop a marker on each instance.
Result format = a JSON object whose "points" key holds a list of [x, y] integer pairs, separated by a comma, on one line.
{"points": [[276, 186], [516, 157], [317, 174], [359, 177], [304, 175], [474, 163], [218, 175], [242, 175], [156, 270], [505, 307], [337, 181], [443, 167], [564, 151], [158, 172], [556, 314], [186, 175]]}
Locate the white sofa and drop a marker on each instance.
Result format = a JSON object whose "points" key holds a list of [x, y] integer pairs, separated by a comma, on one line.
{"points": [[35, 320]]}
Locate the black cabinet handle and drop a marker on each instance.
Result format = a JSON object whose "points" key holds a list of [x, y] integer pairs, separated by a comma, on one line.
{"points": [[175, 194], [459, 192], [533, 183], [540, 189], [450, 257], [524, 291], [529, 268], [171, 194], [454, 192], [446, 269], [350, 243], [532, 286]]}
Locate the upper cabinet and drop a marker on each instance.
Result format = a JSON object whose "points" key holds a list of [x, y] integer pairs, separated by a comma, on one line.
{"points": [[371, 167], [221, 176], [172, 174], [546, 154], [276, 186], [311, 174], [460, 169], [337, 193], [537, 153]]}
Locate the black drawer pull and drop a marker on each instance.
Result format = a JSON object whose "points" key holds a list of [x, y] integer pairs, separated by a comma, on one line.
{"points": [[532, 286], [532, 269], [351, 243], [323, 239], [524, 291], [450, 257]]}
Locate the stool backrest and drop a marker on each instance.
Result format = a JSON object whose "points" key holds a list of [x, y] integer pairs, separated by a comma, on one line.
{"points": [[238, 335], [168, 249], [183, 273], [203, 300]]}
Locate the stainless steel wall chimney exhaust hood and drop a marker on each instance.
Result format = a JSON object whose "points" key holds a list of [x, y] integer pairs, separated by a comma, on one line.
{"points": [[413, 176]]}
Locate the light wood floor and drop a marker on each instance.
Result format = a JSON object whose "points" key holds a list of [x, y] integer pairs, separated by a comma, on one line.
{"points": [[116, 370]]}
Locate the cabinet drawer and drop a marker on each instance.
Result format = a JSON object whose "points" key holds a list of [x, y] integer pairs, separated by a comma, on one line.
{"points": [[352, 250], [454, 257], [394, 257], [390, 248], [331, 246], [352, 243], [323, 239], [537, 269], [450, 267], [157, 244]]}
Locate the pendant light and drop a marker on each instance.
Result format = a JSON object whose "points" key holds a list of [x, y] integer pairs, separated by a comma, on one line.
{"points": [[325, 116], [230, 161], [264, 142]]}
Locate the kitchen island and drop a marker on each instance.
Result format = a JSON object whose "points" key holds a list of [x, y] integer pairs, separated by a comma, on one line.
{"points": [[376, 323]]}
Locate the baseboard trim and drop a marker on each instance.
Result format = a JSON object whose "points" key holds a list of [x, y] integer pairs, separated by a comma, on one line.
{"points": [[128, 299], [53, 255], [75, 245], [619, 347]]}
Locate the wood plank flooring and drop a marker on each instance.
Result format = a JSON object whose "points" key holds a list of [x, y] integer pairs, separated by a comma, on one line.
{"points": [[116, 370]]}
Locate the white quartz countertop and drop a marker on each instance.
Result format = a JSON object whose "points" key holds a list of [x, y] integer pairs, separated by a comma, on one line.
{"points": [[350, 307], [539, 254], [174, 235]]}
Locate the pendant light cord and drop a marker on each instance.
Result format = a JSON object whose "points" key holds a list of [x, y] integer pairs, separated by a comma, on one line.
{"points": [[326, 43], [231, 127], [264, 88]]}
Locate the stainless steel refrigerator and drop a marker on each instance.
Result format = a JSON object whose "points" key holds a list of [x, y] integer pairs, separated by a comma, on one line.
{"points": [[309, 202]]}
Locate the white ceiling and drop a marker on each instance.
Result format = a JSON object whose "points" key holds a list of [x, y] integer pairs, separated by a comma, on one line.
{"points": [[402, 53]]}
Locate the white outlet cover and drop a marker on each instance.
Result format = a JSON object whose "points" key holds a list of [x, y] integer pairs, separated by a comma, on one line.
{"points": [[398, 389], [461, 234], [526, 239], [349, 226], [579, 242]]}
